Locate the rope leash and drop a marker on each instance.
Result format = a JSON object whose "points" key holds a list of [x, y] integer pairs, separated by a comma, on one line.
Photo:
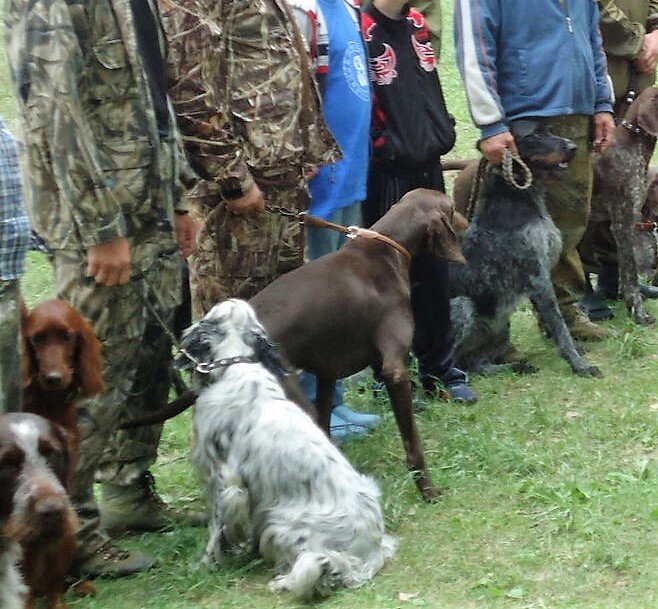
{"points": [[509, 159]]}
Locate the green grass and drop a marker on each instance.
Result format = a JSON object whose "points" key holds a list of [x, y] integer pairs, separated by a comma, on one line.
{"points": [[550, 484]]}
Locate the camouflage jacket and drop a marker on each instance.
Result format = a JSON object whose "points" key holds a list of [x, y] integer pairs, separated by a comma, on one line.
{"points": [[95, 166], [623, 26], [245, 98]]}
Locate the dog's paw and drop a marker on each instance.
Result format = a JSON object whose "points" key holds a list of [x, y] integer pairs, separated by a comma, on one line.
{"points": [[278, 584], [430, 494], [523, 367], [589, 371], [642, 318]]}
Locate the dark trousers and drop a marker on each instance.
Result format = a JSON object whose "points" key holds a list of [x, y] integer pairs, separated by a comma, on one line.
{"points": [[433, 343]]}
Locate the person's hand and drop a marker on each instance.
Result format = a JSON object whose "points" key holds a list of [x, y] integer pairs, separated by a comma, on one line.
{"points": [[492, 147], [251, 203], [186, 229], [646, 61], [109, 263], [604, 131]]}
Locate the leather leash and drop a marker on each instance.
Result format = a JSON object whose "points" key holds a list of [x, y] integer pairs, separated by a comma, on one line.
{"points": [[351, 232]]}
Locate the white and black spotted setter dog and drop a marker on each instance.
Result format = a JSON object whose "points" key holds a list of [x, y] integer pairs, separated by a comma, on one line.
{"points": [[278, 486]]}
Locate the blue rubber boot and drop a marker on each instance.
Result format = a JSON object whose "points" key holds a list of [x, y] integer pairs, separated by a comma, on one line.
{"points": [[369, 421]]}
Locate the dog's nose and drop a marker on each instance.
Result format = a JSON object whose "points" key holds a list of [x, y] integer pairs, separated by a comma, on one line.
{"points": [[51, 507], [571, 150], [53, 379]]}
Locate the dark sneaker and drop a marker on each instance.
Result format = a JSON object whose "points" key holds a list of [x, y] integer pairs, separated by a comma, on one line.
{"points": [[594, 306], [453, 386], [139, 508], [459, 391], [649, 291], [113, 562]]}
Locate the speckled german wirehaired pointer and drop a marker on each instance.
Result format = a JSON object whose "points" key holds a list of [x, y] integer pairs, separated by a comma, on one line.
{"points": [[511, 246]]}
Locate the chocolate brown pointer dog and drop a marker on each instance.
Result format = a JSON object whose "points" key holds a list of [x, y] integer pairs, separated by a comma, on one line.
{"points": [[351, 309]]}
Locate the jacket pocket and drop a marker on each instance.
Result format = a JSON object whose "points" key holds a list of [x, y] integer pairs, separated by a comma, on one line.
{"points": [[126, 168], [107, 77]]}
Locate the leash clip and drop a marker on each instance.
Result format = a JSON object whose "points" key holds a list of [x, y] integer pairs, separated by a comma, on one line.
{"points": [[352, 232], [205, 367]]}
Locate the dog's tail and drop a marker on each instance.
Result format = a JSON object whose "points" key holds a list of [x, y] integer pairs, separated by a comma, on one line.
{"points": [[455, 164], [319, 573], [181, 403]]}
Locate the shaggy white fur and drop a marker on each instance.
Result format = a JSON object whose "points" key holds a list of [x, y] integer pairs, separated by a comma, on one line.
{"points": [[277, 484], [12, 589]]}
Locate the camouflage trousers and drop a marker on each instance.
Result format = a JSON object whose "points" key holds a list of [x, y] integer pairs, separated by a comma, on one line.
{"points": [[568, 200], [11, 387], [238, 255], [136, 355]]}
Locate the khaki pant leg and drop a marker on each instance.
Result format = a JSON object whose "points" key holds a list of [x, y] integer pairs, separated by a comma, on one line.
{"points": [[568, 201], [11, 387]]}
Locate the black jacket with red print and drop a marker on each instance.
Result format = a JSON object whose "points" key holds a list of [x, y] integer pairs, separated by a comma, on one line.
{"points": [[410, 124]]}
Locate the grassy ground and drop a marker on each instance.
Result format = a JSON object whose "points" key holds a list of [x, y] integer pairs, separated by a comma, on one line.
{"points": [[550, 493]]}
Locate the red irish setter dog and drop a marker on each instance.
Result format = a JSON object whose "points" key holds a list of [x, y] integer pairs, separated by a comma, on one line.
{"points": [[61, 364]]}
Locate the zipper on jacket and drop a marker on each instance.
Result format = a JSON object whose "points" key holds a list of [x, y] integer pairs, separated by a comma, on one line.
{"points": [[565, 8]]}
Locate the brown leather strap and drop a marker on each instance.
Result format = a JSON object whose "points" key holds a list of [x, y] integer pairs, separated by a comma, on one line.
{"points": [[351, 232]]}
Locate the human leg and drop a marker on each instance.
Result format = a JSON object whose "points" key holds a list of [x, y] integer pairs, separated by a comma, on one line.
{"points": [[118, 321], [568, 201], [11, 388]]}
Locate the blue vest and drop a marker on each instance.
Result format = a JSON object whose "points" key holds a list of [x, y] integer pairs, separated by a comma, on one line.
{"points": [[346, 106]]}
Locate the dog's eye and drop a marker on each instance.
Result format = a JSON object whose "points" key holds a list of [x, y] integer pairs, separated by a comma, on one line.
{"points": [[11, 461], [65, 336]]}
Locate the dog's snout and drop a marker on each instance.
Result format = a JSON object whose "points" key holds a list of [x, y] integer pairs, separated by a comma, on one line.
{"points": [[571, 150], [53, 378], [50, 507]]}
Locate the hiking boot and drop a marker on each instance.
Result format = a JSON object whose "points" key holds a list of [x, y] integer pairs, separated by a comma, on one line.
{"points": [[580, 327], [139, 508], [113, 562]]}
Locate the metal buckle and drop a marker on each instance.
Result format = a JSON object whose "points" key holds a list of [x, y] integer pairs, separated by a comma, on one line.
{"points": [[352, 232], [205, 367]]}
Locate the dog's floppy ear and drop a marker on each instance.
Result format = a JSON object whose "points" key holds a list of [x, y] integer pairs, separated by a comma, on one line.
{"points": [[443, 239], [265, 351], [90, 362], [29, 365], [647, 114]]}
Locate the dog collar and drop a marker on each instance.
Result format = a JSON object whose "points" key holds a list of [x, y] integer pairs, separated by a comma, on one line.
{"points": [[207, 367]]}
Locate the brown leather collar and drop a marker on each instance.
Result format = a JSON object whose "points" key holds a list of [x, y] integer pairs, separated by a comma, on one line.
{"points": [[352, 232]]}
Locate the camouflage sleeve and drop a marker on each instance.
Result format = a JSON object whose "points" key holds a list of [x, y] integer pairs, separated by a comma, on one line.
{"points": [[214, 149], [621, 36], [46, 66], [652, 19]]}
